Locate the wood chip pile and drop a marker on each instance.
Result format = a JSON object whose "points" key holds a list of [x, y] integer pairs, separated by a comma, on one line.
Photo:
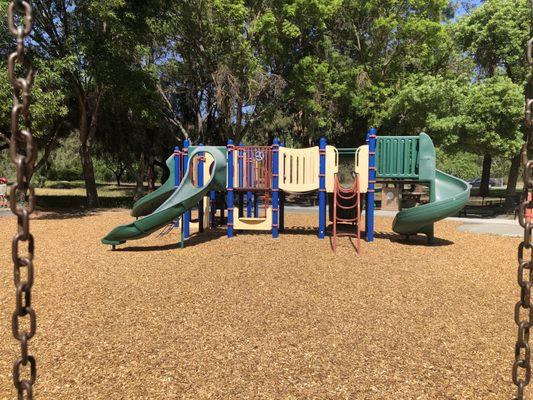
{"points": [[257, 318]]}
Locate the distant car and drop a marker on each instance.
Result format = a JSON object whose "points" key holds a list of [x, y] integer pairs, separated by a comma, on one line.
{"points": [[476, 182]]}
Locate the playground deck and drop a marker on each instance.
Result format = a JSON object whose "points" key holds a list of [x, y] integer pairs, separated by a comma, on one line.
{"points": [[258, 318]]}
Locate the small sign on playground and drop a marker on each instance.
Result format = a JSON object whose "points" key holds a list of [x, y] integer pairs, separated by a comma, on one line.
{"points": [[259, 155]]}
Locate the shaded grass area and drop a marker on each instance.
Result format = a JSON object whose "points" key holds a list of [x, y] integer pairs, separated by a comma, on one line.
{"points": [[66, 195]]}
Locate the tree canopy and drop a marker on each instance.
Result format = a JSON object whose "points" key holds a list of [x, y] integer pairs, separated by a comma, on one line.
{"points": [[131, 79]]}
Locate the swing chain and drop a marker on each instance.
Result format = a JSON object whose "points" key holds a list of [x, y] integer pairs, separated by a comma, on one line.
{"points": [[523, 312], [22, 195]]}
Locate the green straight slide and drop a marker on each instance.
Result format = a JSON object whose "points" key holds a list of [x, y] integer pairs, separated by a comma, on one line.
{"points": [[451, 195], [174, 201]]}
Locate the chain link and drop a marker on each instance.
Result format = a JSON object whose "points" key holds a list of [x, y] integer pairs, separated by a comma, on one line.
{"points": [[22, 196], [523, 312]]}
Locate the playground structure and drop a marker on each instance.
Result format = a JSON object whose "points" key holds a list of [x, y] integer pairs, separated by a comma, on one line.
{"points": [[249, 183]]}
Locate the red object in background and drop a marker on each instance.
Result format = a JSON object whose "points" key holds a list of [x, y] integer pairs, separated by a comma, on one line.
{"points": [[529, 211], [3, 195]]}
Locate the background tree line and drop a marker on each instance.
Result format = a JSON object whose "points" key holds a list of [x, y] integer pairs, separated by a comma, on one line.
{"points": [[121, 82]]}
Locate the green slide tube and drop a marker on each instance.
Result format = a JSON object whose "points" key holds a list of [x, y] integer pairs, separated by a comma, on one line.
{"points": [[451, 195], [182, 199]]}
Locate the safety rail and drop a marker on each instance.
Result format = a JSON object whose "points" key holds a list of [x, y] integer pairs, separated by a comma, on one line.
{"points": [[253, 168], [405, 157]]}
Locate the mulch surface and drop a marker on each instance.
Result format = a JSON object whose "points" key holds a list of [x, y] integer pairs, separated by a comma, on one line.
{"points": [[257, 318]]}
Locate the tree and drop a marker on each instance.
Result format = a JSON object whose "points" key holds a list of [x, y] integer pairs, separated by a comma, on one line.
{"points": [[494, 34], [99, 45]]}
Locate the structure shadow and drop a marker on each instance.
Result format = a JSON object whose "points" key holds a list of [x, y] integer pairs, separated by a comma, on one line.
{"points": [[194, 240], [413, 240], [66, 214]]}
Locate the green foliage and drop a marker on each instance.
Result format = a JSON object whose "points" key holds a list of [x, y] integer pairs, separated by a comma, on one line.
{"points": [[463, 165], [65, 162], [149, 74], [495, 35]]}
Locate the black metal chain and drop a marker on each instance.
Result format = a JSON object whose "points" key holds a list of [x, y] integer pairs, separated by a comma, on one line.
{"points": [[22, 197], [523, 313]]}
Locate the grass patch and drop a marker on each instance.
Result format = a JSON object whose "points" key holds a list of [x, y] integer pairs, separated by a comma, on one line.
{"points": [[63, 194]]}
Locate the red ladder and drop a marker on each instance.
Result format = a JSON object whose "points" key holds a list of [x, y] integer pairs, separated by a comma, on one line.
{"points": [[347, 198]]}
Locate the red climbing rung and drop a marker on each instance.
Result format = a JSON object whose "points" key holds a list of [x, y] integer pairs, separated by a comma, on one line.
{"points": [[347, 199]]}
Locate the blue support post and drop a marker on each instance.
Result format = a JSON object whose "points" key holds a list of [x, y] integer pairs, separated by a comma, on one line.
{"points": [[231, 174], [187, 215], [282, 206], [275, 188], [369, 219], [322, 201], [256, 206], [213, 210], [240, 169], [177, 175], [249, 164], [201, 162]]}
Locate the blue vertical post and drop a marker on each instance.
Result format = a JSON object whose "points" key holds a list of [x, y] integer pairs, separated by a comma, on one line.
{"points": [[281, 205], [249, 164], [186, 215], [369, 219], [213, 208], [275, 188], [322, 190], [231, 174], [177, 175], [240, 176], [201, 162], [256, 205]]}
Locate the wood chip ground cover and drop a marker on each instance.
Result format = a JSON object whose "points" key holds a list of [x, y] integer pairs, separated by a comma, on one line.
{"points": [[257, 318]]}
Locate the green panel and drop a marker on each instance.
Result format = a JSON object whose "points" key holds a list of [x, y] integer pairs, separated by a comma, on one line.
{"points": [[414, 156], [426, 157], [396, 157]]}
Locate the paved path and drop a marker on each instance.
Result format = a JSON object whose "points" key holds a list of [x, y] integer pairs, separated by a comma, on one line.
{"points": [[495, 226]]}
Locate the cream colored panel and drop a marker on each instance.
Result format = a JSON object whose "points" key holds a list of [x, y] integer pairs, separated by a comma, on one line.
{"points": [[332, 167], [254, 224], [361, 167], [299, 169], [207, 166]]}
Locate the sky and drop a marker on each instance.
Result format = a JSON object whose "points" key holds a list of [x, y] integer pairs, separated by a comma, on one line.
{"points": [[463, 8]]}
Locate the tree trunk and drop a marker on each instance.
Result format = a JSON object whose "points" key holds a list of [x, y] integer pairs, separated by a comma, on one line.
{"points": [[164, 168], [485, 176], [150, 175], [85, 154], [118, 176], [510, 192], [139, 179]]}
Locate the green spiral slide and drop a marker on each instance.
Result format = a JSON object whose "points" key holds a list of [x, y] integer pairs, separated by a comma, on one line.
{"points": [[451, 195], [169, 202], [412, 159]]}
